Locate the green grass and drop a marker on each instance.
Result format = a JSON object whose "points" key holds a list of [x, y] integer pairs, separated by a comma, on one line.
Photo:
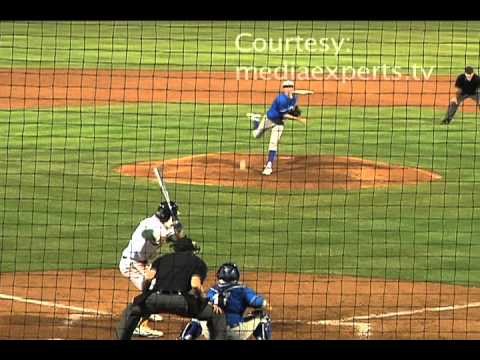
{"points": [[65, 207], [446, 46]]}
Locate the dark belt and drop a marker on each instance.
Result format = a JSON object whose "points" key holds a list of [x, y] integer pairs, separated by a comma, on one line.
{"points": [[169, 292], [141, 262]]}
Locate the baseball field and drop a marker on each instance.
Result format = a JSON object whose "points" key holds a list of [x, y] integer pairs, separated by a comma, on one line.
{"points": [[368, 228]]}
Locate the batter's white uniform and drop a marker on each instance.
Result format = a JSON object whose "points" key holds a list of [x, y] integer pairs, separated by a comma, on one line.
{"points": [[139, 251]]}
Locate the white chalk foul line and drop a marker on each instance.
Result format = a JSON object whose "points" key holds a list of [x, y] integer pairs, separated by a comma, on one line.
{"points": [[408, 312], [73, 318], [363, 328], [54, 305]]}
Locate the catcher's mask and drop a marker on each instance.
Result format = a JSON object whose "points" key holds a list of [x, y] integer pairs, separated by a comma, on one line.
{"points": [[228, 272], [163, 212]]}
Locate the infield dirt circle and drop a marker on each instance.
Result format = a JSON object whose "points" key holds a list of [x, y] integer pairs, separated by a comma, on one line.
{"points": [[294, 173]]}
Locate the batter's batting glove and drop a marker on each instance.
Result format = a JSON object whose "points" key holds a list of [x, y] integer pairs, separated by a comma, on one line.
{"points": [[171, 239], [179, 233]]}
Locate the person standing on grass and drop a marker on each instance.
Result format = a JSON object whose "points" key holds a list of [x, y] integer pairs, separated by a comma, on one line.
{"points": [[468, 87]]}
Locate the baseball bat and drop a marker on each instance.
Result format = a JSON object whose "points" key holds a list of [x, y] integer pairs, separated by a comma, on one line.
{"points": [[165, 193]]}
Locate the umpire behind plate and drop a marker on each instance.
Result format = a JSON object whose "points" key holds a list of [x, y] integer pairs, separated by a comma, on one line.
{"points": [[175, 287]]}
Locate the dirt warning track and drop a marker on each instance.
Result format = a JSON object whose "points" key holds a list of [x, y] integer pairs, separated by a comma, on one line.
{"points": [[33, 88]]}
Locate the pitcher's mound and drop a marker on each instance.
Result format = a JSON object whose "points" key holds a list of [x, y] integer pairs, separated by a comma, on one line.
{"points": [[290, 173]]}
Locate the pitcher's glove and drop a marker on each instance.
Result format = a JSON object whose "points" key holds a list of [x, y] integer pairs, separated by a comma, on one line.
{"points": [[295, 112]]}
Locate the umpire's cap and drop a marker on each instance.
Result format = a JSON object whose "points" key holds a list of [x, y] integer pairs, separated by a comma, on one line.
{"points": [[185, 244], [469, 70]]}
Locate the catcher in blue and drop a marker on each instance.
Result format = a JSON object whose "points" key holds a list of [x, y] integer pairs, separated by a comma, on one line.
{"points": [[233, 297], [285, 106]]}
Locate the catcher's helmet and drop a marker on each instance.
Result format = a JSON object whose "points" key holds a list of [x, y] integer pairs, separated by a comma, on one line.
{"points": [[163, 212], [228, 272]]}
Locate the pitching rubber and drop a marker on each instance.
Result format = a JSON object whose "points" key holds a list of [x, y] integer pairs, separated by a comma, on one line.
{"points": [[243, 164]]}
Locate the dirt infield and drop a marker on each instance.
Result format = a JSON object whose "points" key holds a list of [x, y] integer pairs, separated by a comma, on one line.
{"points": [[304, 307], [292, 172], [30, 88]]}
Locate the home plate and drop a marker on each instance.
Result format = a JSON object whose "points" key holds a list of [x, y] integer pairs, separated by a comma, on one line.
{"points": [[73, 318]]}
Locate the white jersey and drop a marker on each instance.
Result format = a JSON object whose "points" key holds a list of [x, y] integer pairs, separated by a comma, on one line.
{"points": [[142, 250]]}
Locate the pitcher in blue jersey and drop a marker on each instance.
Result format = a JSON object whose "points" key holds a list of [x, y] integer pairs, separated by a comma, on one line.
{"points": [[285, 106], [233, 297]]}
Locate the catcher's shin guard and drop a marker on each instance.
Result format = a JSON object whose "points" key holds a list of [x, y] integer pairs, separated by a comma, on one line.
{"points": [[191, 331], [264, 329]]}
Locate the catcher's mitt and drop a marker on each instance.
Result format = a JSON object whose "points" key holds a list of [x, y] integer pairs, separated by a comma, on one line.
{"points": [[295, 112]]}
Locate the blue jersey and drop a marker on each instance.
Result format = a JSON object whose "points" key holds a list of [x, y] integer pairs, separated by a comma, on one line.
{"points": [[281, 106], [236, 299]]}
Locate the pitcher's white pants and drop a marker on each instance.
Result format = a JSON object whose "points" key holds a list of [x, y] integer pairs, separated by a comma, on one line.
{"points": [[275, 132]]}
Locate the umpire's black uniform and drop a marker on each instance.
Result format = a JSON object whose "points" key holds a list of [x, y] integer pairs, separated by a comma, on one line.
{"points": [[172, 293], [465, 89]]}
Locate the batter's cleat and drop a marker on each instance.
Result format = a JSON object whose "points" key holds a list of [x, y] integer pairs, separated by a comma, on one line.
{"points": [[156, 317], [446, 121], [267, 171], [145, 331]]}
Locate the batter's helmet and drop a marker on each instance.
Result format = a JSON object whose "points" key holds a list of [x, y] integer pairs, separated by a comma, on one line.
{"points": [[163, 212], [228, 272]]}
